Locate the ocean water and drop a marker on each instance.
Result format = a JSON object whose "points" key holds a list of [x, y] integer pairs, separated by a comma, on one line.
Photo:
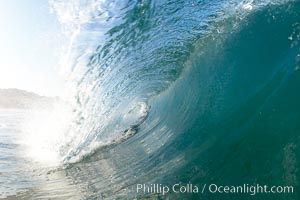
{"points": [[164, 92]]}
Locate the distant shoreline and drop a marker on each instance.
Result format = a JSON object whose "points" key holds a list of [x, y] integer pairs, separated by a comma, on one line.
{"points": [[21, 99]]}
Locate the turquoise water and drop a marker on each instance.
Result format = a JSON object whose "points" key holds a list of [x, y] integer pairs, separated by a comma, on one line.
{"points": [[201, 92]]}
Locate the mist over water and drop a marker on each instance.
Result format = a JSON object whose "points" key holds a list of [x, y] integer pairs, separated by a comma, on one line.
{"points": [[163, 92]]}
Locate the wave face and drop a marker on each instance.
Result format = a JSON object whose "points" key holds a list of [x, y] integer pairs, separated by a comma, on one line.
{"points": [[121, 55], [180, 91]]}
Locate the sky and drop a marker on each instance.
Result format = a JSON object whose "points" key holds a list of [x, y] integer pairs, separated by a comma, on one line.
{"points": [[30, 43]]}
